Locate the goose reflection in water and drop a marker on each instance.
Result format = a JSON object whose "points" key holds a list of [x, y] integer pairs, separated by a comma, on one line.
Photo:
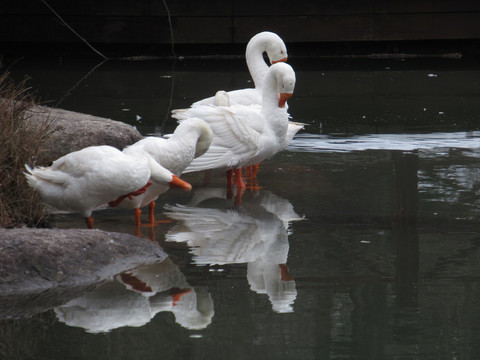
{"points": [[133, 298], [255, 233]]}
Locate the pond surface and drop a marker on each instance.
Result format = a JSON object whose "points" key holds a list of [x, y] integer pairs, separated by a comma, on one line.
{"points": [[362, 243]]}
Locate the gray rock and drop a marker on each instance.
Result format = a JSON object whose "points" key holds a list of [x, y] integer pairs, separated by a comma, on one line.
{"points": [[35, 260], [72, 131]]}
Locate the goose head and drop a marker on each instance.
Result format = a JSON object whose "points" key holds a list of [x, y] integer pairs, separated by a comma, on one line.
{"points": [[270, 43], [284, 79], [276, 49]]}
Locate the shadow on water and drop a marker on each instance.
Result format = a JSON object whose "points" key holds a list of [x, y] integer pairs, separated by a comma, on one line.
{"points": [[362, 242]]}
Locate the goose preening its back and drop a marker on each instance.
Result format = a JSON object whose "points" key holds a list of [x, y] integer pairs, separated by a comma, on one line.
{"points": [[190, 139]]}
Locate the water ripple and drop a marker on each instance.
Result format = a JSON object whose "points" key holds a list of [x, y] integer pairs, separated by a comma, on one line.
{"points": [[405, 142]]}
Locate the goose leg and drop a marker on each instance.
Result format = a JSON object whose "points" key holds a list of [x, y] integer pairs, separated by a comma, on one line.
{"points": [[238, 179], [151, 215], [138, 231], [255, 170], [251, 176], [136, 213], [140, 191], [134, 282], [229, 184], [151, 233], [251, 171], [89, 222], [285, 276], [238, 197], [117, 201], [240, 186]]}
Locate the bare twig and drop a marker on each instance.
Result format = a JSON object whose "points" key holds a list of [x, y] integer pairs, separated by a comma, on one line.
{"points": [[172, 42], [69, 91], [72, 30]]}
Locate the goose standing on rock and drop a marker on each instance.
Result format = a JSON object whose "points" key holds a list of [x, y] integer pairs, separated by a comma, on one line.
{"points": [[246, 135], [191, 139], [86, 179]]}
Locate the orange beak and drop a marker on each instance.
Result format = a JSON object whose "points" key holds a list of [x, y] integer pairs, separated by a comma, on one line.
{"points": [[179, 183], [281, 60], [283, 99]]}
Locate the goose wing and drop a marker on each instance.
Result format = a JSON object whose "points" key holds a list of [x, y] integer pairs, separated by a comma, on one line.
{"points": [[234, 140]]}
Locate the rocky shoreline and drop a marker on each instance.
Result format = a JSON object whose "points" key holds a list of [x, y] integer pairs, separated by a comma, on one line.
{"points": [[55, 265], [71, 131]]}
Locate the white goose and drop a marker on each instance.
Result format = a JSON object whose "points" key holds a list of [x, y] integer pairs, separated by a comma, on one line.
{"points": [[218, 233], [190, 139], [246, 135], [86, 179], [276, 50], [134, 298]]}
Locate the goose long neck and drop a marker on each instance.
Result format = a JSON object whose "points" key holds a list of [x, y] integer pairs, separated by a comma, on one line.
{"points": [[203, 143], [256, 65], [277, 116], [270, 94], [184, 141], [158, 174]]}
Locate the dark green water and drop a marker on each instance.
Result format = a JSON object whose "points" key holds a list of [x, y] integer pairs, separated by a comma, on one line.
{"points": [[374, 210]]}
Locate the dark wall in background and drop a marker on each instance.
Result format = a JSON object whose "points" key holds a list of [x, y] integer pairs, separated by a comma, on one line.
{"points": [[235, 21]]}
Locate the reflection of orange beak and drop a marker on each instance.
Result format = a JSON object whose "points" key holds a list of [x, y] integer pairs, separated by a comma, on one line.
{"points": [[177, 294], [281, 60], [283, 99], [179, 183]]}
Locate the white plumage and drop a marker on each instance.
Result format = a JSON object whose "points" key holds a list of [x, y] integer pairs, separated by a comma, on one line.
{"points": [[135, 297], [276, 50], [83, 180], [220, 234], [246, 135], [190, 139]]}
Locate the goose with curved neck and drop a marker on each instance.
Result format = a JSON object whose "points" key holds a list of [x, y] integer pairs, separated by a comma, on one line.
{"points": [[191, 139], [276, 50], [246, 135]]}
